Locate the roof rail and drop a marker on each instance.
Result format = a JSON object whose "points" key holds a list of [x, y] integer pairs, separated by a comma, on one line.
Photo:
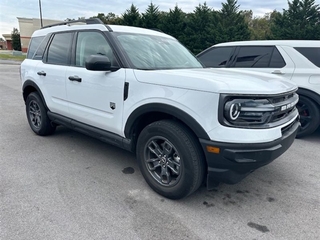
{"points": [[86, 21]]}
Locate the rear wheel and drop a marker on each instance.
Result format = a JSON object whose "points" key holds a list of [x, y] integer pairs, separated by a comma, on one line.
{"points": [[170, 159], [309, 116], [37, 115]]}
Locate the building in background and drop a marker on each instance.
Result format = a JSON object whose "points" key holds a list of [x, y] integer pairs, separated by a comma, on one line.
{"points": [[7, 45], [28, 25], [3, 44]]}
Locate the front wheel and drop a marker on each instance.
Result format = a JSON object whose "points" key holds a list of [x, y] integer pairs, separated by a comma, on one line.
{"points": [[309, 116], [170, 159], [37, 115]]}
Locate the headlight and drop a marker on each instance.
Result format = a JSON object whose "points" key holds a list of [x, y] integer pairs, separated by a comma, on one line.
{"points": [[232, 110]]}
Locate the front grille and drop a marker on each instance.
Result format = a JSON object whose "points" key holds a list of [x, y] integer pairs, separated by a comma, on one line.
{"points": [[280, 99], [261, 111], [284, 106], [278, 116]]}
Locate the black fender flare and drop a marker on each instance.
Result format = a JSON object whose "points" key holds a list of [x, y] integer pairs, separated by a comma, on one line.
{"points": [[167, 109], [30, 83], [310, 94]]}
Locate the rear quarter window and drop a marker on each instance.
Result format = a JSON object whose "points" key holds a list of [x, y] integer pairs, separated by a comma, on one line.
{"points": [[33, 46], [311, 53]]}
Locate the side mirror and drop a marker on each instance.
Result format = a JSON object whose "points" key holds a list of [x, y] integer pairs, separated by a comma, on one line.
{"points": [[99, 63]]}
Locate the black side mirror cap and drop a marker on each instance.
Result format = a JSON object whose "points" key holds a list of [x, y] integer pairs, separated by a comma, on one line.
{"points": [[99, 63]]}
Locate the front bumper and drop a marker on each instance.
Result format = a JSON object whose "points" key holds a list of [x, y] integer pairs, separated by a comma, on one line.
{"points": [[236, 160]]}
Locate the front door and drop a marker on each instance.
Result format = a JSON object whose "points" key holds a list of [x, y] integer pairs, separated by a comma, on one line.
{"points": [[95, 97]]}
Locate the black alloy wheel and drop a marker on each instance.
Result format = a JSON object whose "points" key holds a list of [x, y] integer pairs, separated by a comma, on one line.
{"points": [[162, 161], [309, 116], [170, 159], [37, 115]]}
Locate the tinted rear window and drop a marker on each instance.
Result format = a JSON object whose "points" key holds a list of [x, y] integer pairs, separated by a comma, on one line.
{"points": [[59, 48], [39, 53], [276, 59], [259, 57], [312, 53], [216, 57], [253, 57], [33, 46]]}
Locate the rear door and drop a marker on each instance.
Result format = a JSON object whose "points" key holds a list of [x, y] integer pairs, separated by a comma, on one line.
{"points": [[268, 59], [307, 74], [51, 72]]}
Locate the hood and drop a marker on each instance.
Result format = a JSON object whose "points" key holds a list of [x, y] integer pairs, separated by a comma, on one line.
{"points": [[219, 80]]}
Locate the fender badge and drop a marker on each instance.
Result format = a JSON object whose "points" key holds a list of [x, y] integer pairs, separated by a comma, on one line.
{"points": [[112, 105]]}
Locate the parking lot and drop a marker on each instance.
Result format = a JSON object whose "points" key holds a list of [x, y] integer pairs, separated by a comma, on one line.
{"points": [[70, 186]]}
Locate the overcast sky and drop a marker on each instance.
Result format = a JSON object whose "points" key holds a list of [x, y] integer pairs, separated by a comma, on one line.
{"points": [[62, 9]]}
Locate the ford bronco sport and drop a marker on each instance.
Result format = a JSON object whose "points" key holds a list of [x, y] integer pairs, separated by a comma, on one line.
{"points": [[141, 90]]}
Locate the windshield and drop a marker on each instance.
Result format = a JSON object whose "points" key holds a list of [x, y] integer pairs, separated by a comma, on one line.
{"points": [[149, 52]]}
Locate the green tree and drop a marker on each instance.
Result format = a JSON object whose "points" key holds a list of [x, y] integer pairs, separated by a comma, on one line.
{"points": [[231, 23], [200, 30], [174, 23], [102, 17], [248, 16], [16, 43], [260, 27], [131, 17], [150, 19], [110, 18], [73, 19], [299, 21]]}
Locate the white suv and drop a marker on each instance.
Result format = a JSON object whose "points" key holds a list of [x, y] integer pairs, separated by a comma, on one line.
{"points": [[143, 91], [298, 61]]}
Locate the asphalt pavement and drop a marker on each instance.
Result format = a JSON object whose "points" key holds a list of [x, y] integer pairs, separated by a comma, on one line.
{"points": [[71, 186]]}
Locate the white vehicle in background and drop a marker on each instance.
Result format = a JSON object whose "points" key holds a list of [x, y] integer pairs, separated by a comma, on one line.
{"points": [[296, 60]]}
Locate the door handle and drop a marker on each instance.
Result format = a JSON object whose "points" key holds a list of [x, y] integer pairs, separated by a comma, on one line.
{"points": [[277, 72], [75, 78], [42, 73]]}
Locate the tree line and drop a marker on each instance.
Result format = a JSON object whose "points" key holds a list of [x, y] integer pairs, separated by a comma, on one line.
{"points": [[205, 26]]}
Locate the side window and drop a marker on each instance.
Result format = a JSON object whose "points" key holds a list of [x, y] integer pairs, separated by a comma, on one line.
{"points": [[58, 52], [91, 43], [312, 53], [39, 53], [33, 46], [254, 57], [276, 59], [216, 57]]}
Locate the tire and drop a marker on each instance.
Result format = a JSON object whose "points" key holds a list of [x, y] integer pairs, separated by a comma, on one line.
{"points": [[170, 159], [37, 115], [309, 116]]}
